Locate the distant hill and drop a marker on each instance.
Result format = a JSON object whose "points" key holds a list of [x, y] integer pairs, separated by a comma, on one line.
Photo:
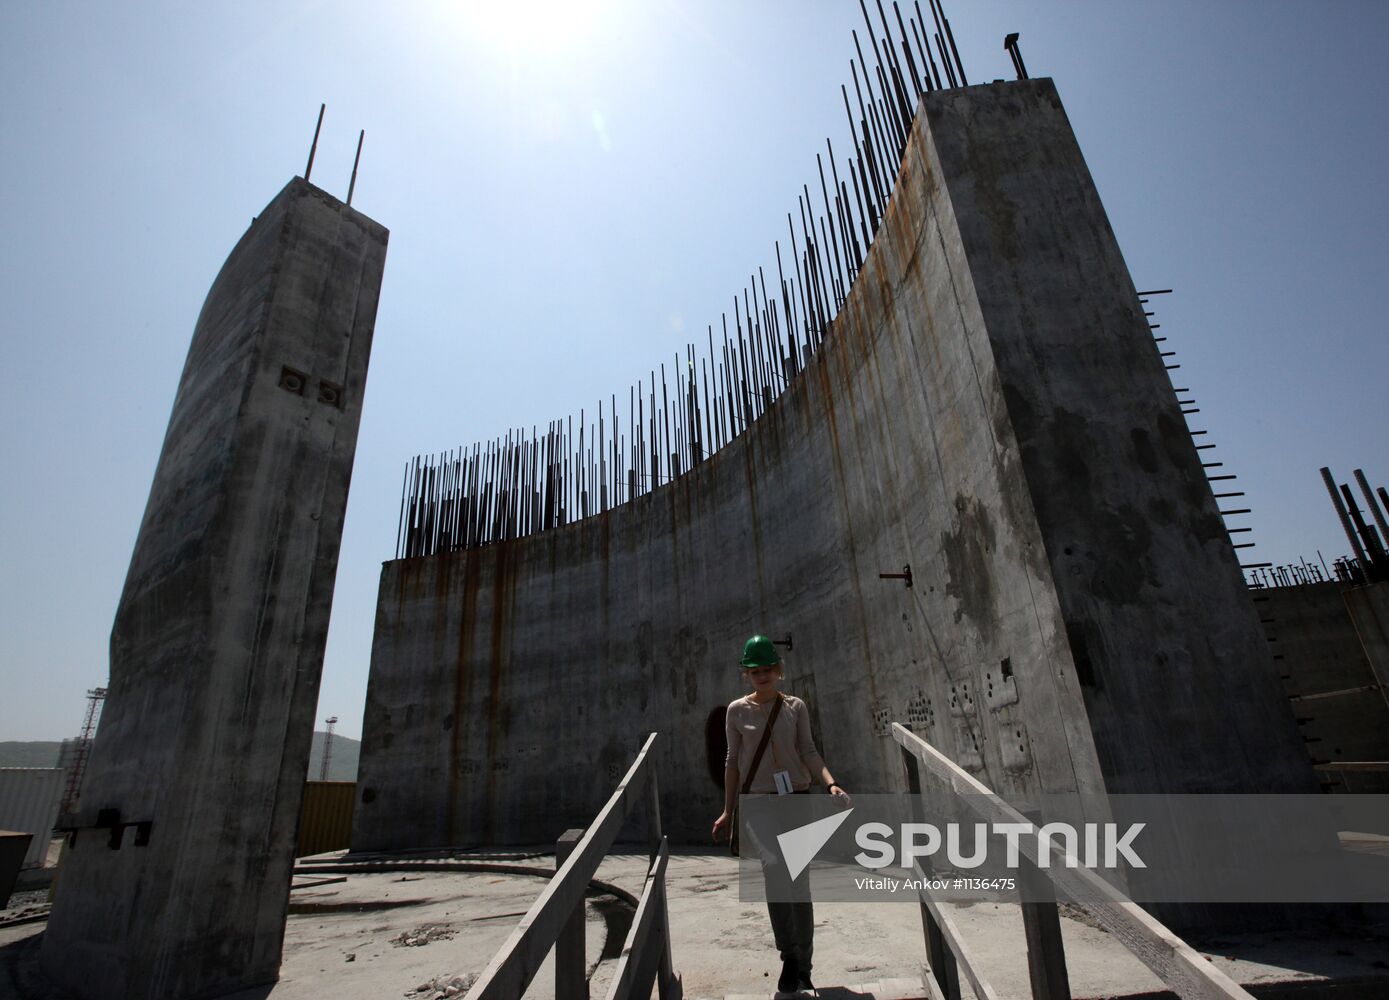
{"points": [[343, 766], [38, 753]]}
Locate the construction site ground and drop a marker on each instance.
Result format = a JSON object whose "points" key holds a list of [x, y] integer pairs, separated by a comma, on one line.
{"points": [[428, 931]]}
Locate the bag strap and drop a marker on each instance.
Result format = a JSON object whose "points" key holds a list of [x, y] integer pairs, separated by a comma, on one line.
{"points": [[761, 747]]}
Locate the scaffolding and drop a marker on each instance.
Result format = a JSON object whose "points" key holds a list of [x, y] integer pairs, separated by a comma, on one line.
{"points": [[81, 749], [332, 721]]}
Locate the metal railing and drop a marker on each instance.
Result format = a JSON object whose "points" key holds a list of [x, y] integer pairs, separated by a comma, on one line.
{"points": [[556, 918], [1171, 959]]}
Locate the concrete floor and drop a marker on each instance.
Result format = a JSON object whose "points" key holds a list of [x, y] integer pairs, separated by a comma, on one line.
{"points": [[346, 939]]}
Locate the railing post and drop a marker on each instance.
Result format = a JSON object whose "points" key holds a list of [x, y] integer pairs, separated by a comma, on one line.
{"points": [[938, 953], [1046, 952], [570, 960], [667, 986], [653, 818]]}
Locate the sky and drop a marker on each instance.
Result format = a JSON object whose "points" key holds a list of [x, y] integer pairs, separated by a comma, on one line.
{"points": [[574, 190]]}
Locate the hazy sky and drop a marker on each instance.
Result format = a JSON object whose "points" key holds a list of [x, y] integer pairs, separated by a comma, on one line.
{"points": [[574, 190]]}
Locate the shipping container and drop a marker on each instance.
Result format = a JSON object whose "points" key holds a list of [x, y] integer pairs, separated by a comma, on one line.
{"points": [[325, 819]]}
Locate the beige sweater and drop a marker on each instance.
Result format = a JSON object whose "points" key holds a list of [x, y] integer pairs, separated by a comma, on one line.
{"points": [[791, 747]]}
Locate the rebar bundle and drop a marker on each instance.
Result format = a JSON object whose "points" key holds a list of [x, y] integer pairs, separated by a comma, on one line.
{"points": [[530, 482]]}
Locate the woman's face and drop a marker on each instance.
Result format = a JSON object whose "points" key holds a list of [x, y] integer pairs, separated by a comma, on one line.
{"points": [[763, 679]]}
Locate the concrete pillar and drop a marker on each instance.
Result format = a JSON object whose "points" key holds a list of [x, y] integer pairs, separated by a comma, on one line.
{"points": [[217, 647]]}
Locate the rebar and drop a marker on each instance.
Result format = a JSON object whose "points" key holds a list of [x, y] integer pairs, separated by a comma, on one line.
{"points": [[526, 482]]}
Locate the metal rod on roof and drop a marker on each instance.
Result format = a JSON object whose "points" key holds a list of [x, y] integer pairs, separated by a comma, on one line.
{"points": [[851, 237], [400, 522], [940, 45], [313, 147], [744, 371], [869, 214], [1010, 42], [926, 45], [879, 149], [1371, 503], [786, 305], [868, 218], [836, 284], [880, 127], [356, 160], [877, 52], [753, 364], [951, 35], [1341, 513], [945, 61], [895, 66], [824, 192], [1373, 546], [892, 120], [907, 50], [846, 216]]}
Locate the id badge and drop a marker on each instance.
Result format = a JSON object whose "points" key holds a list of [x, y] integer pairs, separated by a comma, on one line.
{"points": [[783, 782]]}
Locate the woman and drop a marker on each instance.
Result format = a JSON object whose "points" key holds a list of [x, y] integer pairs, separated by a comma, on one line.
{"points": [[788, 763]]}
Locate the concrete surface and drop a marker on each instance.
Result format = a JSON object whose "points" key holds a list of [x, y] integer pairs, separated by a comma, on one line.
{"points": [[990, 409], [1340, 705], [1315, 638], [720, 947], [1369, 610], [218, 641]]}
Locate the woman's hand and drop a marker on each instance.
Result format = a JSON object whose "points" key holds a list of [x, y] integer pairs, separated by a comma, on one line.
{"points": [[841, 795], [723, 823]]}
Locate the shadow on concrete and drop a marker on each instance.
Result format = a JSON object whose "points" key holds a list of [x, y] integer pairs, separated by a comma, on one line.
{"points": [[355, 907], [20, 976]]}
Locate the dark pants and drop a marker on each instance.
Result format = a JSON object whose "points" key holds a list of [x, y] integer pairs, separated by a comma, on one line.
{"points": [[793, 926], [789, 906]]}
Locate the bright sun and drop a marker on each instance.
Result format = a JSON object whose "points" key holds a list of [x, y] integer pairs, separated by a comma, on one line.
{"points": [[537, 27]]}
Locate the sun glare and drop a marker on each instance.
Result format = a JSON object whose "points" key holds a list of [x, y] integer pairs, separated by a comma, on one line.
{"points": [[538, 27]]}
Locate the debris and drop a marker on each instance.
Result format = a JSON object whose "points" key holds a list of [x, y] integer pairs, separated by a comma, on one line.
{"points": [[351, 956], [423, 935], [441, 987]]}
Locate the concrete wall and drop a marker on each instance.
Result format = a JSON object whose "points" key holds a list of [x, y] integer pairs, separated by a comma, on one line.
{"points": [[989, 408], [1368, 607], [217, 647], [1336, 696]]}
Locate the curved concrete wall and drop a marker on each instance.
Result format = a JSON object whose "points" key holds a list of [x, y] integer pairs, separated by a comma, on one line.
{"points": [[989, 408]]}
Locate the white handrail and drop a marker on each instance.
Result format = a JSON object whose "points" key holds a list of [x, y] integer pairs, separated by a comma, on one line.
{"points": [[516, 963], [1171, 959]]}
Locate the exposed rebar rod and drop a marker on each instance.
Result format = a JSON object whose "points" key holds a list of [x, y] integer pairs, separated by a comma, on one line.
{"points": [[1371, 503], [1341, 513]]}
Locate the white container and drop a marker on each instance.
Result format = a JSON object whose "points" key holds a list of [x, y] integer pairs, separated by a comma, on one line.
{"points": [[29, 800]]}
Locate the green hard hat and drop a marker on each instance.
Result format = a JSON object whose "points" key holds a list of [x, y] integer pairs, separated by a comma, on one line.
{"points": [[759, 652]]}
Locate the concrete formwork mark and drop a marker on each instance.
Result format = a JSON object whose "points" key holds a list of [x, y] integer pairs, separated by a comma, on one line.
{"points": [[503, 594], [462, 681]]}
